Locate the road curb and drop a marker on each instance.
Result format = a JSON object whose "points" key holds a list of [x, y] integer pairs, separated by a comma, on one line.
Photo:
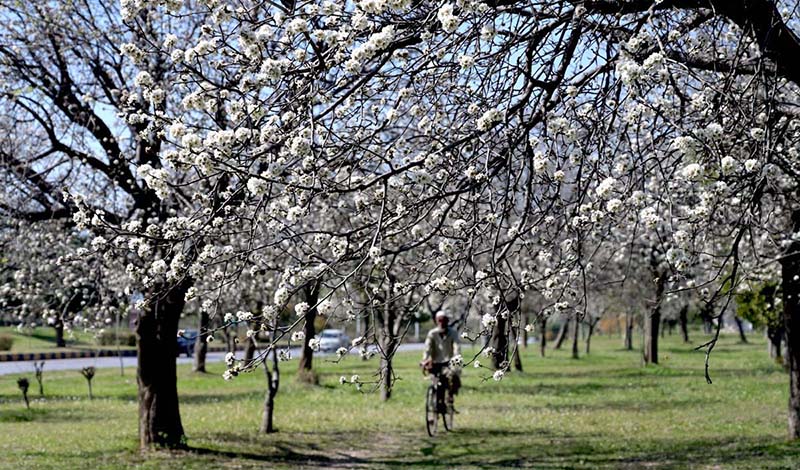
{"points": [[41, 356]]}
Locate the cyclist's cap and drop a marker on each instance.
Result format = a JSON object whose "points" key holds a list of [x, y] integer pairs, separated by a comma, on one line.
{"points": [[442, 314]]}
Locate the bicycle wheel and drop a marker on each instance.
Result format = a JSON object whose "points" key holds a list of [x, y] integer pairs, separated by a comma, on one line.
{"points": [[431, 413], [447, 417]]}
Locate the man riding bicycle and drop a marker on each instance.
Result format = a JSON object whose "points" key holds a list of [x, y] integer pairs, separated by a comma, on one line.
{"points": [[441, 345]]}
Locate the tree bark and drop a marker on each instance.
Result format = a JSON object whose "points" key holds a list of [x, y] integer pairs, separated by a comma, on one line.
{"points": [[628, 343], [201, 345], [652, 323], [515, 357], [390, 329], [250, 350], [542, 335], [59, 327], [576, 331], [387, 377], [740, 327], [591, 325], [273, 383], [311, 296], [156, 333], [562, 334], [790, 275], [683, 319], [775, 337], [500, 342], [524, 332]]}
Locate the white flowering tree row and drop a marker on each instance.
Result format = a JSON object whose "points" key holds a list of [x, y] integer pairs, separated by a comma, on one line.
{"points": [[373, 157]]}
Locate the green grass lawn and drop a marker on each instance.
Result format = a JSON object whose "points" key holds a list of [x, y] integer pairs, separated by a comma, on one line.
{"points": [[601, 411], [43, 338]]}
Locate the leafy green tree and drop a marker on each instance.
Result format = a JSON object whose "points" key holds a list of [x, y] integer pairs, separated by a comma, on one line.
{"points": [[761, 307]]}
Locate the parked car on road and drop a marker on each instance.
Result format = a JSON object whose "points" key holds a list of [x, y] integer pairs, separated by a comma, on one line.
{"points": [[331, 340], [186, 342]]}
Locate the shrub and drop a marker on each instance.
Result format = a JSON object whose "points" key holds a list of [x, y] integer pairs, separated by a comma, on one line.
{"points": [[109, 338], [5, 342]]}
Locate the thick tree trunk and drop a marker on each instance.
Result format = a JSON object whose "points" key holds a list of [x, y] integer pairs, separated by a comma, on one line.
{"points": [[683, 319], [740, 327], [576, 332], [500, 342], [542, 335], [311, 296], [562, 334], [628, 343], [156, 333], [59, 327], [201, 345], [790, 277], [273, 383]]}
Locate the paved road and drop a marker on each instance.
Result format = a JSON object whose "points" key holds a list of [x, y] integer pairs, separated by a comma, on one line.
{"points": [[108, 362]]}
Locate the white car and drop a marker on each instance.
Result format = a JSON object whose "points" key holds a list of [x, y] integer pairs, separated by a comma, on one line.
{"points": [[331, 340]]}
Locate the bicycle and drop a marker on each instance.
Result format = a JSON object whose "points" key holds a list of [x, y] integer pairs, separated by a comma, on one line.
{"points": [[435, 405]]}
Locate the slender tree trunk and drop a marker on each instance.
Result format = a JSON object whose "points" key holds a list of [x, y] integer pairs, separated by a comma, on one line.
{"points": [[524, 332], [390, 329], [576, 332], [515, 356], [201, 345], [542, 335], [59, 327], [387, 377], [388, 345], [683, 319], [790, 277], [775, 337], [589, 332], [230, 339], [311, 296], [250, 350], [562, 334], [628, 343], [652, 323], [705, 315], [39, 374], [157, 328], [740, 327], [273, 382]]}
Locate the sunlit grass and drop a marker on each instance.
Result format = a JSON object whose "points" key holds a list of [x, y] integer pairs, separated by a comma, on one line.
{"points": [[603, 410], [43, 338]]}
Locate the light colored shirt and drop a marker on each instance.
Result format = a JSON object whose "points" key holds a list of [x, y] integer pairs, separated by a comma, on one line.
{"points": [[441, 346]]}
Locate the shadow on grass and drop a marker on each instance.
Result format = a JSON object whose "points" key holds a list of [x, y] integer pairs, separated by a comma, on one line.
{"points": [[498, 448], [39, 414]]}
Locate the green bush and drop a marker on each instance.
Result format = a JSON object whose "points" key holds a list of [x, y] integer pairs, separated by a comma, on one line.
{"points": [[5, 342], [109, 338]]}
